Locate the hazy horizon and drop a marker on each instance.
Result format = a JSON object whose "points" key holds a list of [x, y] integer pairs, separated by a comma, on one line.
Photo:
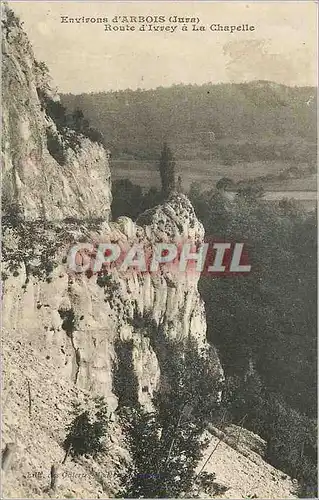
{"points": [[186, 85], [84, 58]]}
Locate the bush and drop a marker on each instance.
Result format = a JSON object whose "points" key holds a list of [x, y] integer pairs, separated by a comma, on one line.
{"points": [[85, 432], [69, 126], [42, 66], [12, 213], [12, 20], [56, 147], [251, 192], [225, 183], [267, 321], [130, 200], [76, 121], [292, 442]]}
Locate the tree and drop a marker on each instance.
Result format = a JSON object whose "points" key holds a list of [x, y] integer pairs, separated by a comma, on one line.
{"points": [[167, 166], [85, 432], [166, 445], [224, 183], [127, 198]]}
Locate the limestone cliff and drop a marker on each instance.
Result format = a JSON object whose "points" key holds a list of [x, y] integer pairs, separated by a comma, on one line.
{"points": [[46, 173], [71, 336], [83, 320]]}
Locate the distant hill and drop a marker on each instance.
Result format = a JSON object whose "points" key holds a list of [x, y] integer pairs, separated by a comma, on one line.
{"points": [[230, 122], [257, 130]]}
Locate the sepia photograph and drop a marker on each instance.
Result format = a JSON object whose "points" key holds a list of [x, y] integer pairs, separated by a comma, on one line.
{"points": [[159, 249]]}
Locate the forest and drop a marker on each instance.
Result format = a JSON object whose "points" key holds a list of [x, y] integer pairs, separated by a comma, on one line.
{"points": [[249, 121]]}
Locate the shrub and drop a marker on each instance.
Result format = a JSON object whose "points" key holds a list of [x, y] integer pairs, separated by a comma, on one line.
{"points": [[76, 121], [42, 66], [225, 183], [292, 442], [250, 192], [12, 20], [69, 126], [68, 321], [85, 432], [12, 213], [55, 147], [130, 200]]}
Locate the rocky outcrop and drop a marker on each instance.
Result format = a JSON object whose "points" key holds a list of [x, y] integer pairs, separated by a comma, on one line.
{"points": [[71, 337], [84, 322], [46, 173], [87, 335], [89, 326]]}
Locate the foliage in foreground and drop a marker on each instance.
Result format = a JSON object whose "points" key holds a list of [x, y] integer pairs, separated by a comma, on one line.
{"points": [[86, 431], [167, 444]]}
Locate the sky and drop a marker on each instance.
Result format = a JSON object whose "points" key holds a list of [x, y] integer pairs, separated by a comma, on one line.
{"points": [[86, 58]]}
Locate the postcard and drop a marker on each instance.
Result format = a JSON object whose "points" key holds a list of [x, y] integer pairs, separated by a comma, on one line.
{"points": [[159, 249]]}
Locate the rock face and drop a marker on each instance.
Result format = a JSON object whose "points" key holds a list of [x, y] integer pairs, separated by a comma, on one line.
{"points": [[88, 323], [46, 173], [79, 187], [68, 336]]}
